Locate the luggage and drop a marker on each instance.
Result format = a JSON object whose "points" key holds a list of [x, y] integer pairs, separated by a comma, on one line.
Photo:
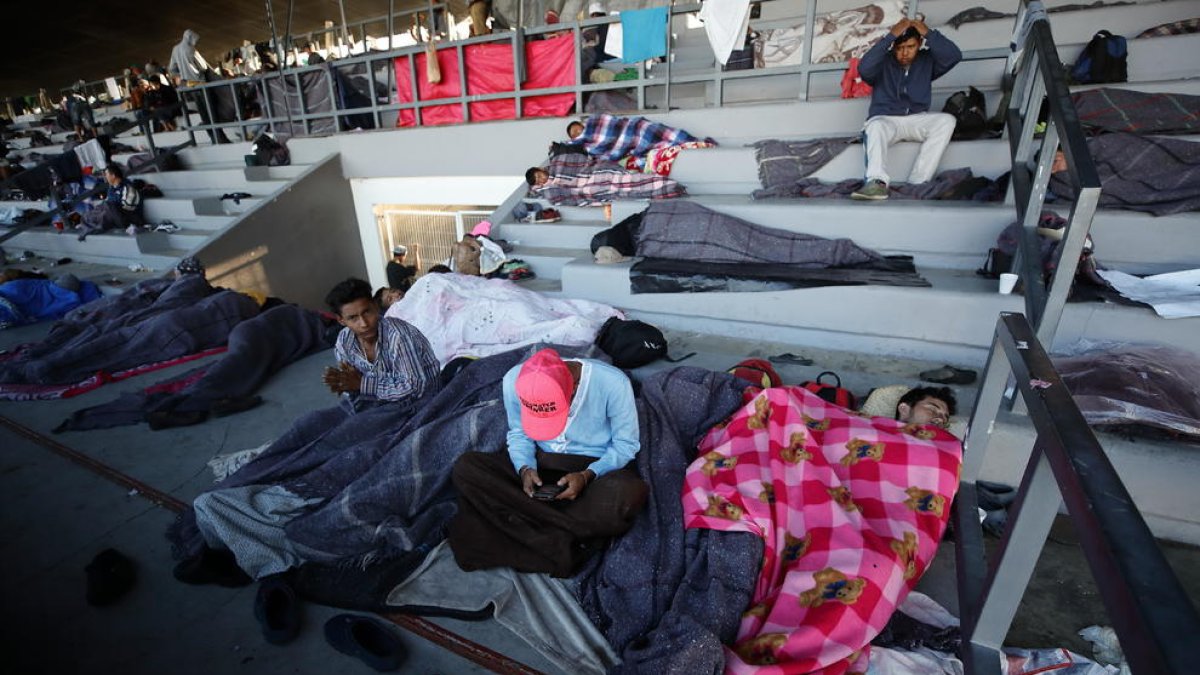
{"points": [[758, 372], [834, 393], [631, 344], [1104, 59]]}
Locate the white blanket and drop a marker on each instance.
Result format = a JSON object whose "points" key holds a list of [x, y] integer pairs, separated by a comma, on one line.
{"points": [[471, 316], [1173, 295]]}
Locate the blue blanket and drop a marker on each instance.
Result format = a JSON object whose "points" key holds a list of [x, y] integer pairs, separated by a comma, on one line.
{"points": [[25, 301]]}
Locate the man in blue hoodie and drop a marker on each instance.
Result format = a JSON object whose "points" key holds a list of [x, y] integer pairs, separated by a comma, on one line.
{"points": [[901, 75]]}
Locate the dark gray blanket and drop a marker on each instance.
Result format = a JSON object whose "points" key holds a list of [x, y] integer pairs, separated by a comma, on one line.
{"points": [[683, 230], [667, 598], [313, 96], [1136, 388], [653, 275], [1139, 173], [942, 186], [257, 349], [384, 472], [1140, 112], [186, 324], [783, 163], [117, 310]]}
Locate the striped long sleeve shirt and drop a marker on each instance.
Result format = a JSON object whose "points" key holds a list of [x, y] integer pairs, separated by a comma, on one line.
{"points": [[404, 366]]}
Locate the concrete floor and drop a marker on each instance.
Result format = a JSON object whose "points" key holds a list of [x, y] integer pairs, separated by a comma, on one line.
{"points": [[56, 515]]}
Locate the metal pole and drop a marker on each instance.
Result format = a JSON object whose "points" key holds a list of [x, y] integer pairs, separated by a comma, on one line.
{"points": [[345, 29], [667, 88], [391, 23], [287, 106]]}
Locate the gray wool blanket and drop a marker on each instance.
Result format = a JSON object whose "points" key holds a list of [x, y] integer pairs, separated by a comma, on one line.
{"points": [[130, 306], [1108, 109], [382, 475], [666, 598], [1140, 173], [939, 187], [257, 349], [783, 163], [175, 325], [683, 230]]}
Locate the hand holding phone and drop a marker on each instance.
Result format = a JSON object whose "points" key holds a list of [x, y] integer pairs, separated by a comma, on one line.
{"points": [[548, 491]]}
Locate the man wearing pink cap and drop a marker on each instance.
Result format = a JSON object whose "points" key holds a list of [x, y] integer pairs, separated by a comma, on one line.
{"points": [[563, 484]]}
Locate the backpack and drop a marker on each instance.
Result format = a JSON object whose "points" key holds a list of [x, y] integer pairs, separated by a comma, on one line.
{"points": [[969, 109], [269, 151], [758, 372], [1104, 59], [631, 344], [834, 393]]}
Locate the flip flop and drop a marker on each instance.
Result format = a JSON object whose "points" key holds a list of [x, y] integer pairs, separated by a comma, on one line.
{"points": [[948, 375], [788, 357]]}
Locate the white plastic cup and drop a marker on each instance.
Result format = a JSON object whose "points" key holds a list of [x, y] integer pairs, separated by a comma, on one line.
{"points": [[1007, 283]]}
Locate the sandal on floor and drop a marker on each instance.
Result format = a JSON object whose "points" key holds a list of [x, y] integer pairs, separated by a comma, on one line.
{"points": [[948, 375]]}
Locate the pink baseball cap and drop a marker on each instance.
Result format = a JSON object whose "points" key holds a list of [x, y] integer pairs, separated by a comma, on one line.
{"points": [[544, 387]]}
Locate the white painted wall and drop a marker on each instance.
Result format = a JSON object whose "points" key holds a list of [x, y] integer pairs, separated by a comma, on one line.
{"points": [[427, 190]]}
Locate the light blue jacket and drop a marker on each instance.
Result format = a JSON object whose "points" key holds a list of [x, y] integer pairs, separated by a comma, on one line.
{"points": [[602, 421]]}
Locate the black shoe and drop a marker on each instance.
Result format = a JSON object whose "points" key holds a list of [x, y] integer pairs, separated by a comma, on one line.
{"points": [[233, 405], [166, 419], [212, 567], [948, 375], [277, 609], [110, 575], [367, 639]]}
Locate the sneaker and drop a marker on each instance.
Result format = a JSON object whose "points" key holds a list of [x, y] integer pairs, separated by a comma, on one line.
{"points": [[872, 190], [167, 227], [132, 230]]}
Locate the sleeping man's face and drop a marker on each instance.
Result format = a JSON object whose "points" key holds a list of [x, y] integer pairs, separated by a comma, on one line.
{"points": [[928, 410]]}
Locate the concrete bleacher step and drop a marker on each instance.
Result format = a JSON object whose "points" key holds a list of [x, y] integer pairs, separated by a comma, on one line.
{"points": [[546, 262], [953, 319], [575, 235], [1160, 474], [112, 247]]}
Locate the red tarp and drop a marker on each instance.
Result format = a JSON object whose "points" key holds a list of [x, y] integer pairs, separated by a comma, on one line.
{"points": [[489, 68]]}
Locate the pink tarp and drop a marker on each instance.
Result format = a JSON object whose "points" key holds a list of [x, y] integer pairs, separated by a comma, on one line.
{"points": [[489, 70]]}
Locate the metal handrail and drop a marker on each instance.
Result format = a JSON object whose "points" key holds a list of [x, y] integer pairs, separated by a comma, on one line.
{"points": [[1036, 75], [1149, 609], [378, 63]]}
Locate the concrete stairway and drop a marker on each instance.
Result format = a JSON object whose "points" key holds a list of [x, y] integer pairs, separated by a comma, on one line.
{"points": [[191, 200], [950, 322]]}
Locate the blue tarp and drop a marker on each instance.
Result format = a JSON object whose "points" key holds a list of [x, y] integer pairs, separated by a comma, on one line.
{"points": [[32, 300]]}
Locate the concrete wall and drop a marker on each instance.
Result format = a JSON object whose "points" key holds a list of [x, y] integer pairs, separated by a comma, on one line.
{"points": [[296, 245], [369, 192]]}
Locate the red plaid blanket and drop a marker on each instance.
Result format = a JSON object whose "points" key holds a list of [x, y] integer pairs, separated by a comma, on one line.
{"points": [[850, 508]]}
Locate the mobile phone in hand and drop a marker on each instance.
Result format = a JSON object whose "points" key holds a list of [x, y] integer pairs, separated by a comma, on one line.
{"points": [[548, 491]]}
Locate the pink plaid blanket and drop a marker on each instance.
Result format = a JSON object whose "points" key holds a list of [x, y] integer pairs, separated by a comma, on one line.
{"points": [[850, 508]]}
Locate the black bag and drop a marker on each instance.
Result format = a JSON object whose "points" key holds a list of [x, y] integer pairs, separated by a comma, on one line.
{"points": [[969, 109], [619, 236], [631, 344], [834, 393], [270, 152], [1104, 59]]}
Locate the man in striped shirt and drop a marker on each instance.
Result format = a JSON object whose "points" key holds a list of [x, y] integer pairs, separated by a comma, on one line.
{"points": [[122, 205], [379, 358]]}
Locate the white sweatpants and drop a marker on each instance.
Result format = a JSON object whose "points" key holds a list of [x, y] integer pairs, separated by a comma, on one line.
{"points": [[932, 129]]}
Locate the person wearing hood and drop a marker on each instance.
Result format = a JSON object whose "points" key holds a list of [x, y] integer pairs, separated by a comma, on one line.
{"points": [[186, 64], [189, 68]]}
